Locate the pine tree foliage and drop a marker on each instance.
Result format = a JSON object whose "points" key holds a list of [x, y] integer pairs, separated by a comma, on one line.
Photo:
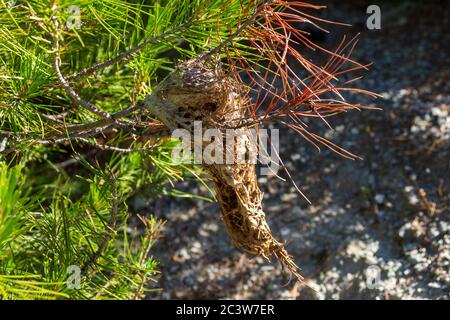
{"points": [[50, 217]]}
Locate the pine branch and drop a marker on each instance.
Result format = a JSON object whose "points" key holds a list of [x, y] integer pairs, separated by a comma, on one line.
{"points": [[110, 229], [130, 52], [65, 84]]}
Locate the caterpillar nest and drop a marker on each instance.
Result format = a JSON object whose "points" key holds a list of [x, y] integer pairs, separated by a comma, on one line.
{"points": [[200, 91]]}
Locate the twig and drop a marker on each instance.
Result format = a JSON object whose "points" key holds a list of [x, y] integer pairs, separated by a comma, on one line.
{"points": [[110, 228], [65, 84], [153, 234], [128, 53]]}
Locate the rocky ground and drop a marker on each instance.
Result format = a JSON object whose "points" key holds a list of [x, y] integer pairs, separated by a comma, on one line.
{"points": [[377, 228]]}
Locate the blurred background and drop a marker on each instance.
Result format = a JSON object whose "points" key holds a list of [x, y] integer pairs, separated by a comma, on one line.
{"points": [[377, 228]]}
